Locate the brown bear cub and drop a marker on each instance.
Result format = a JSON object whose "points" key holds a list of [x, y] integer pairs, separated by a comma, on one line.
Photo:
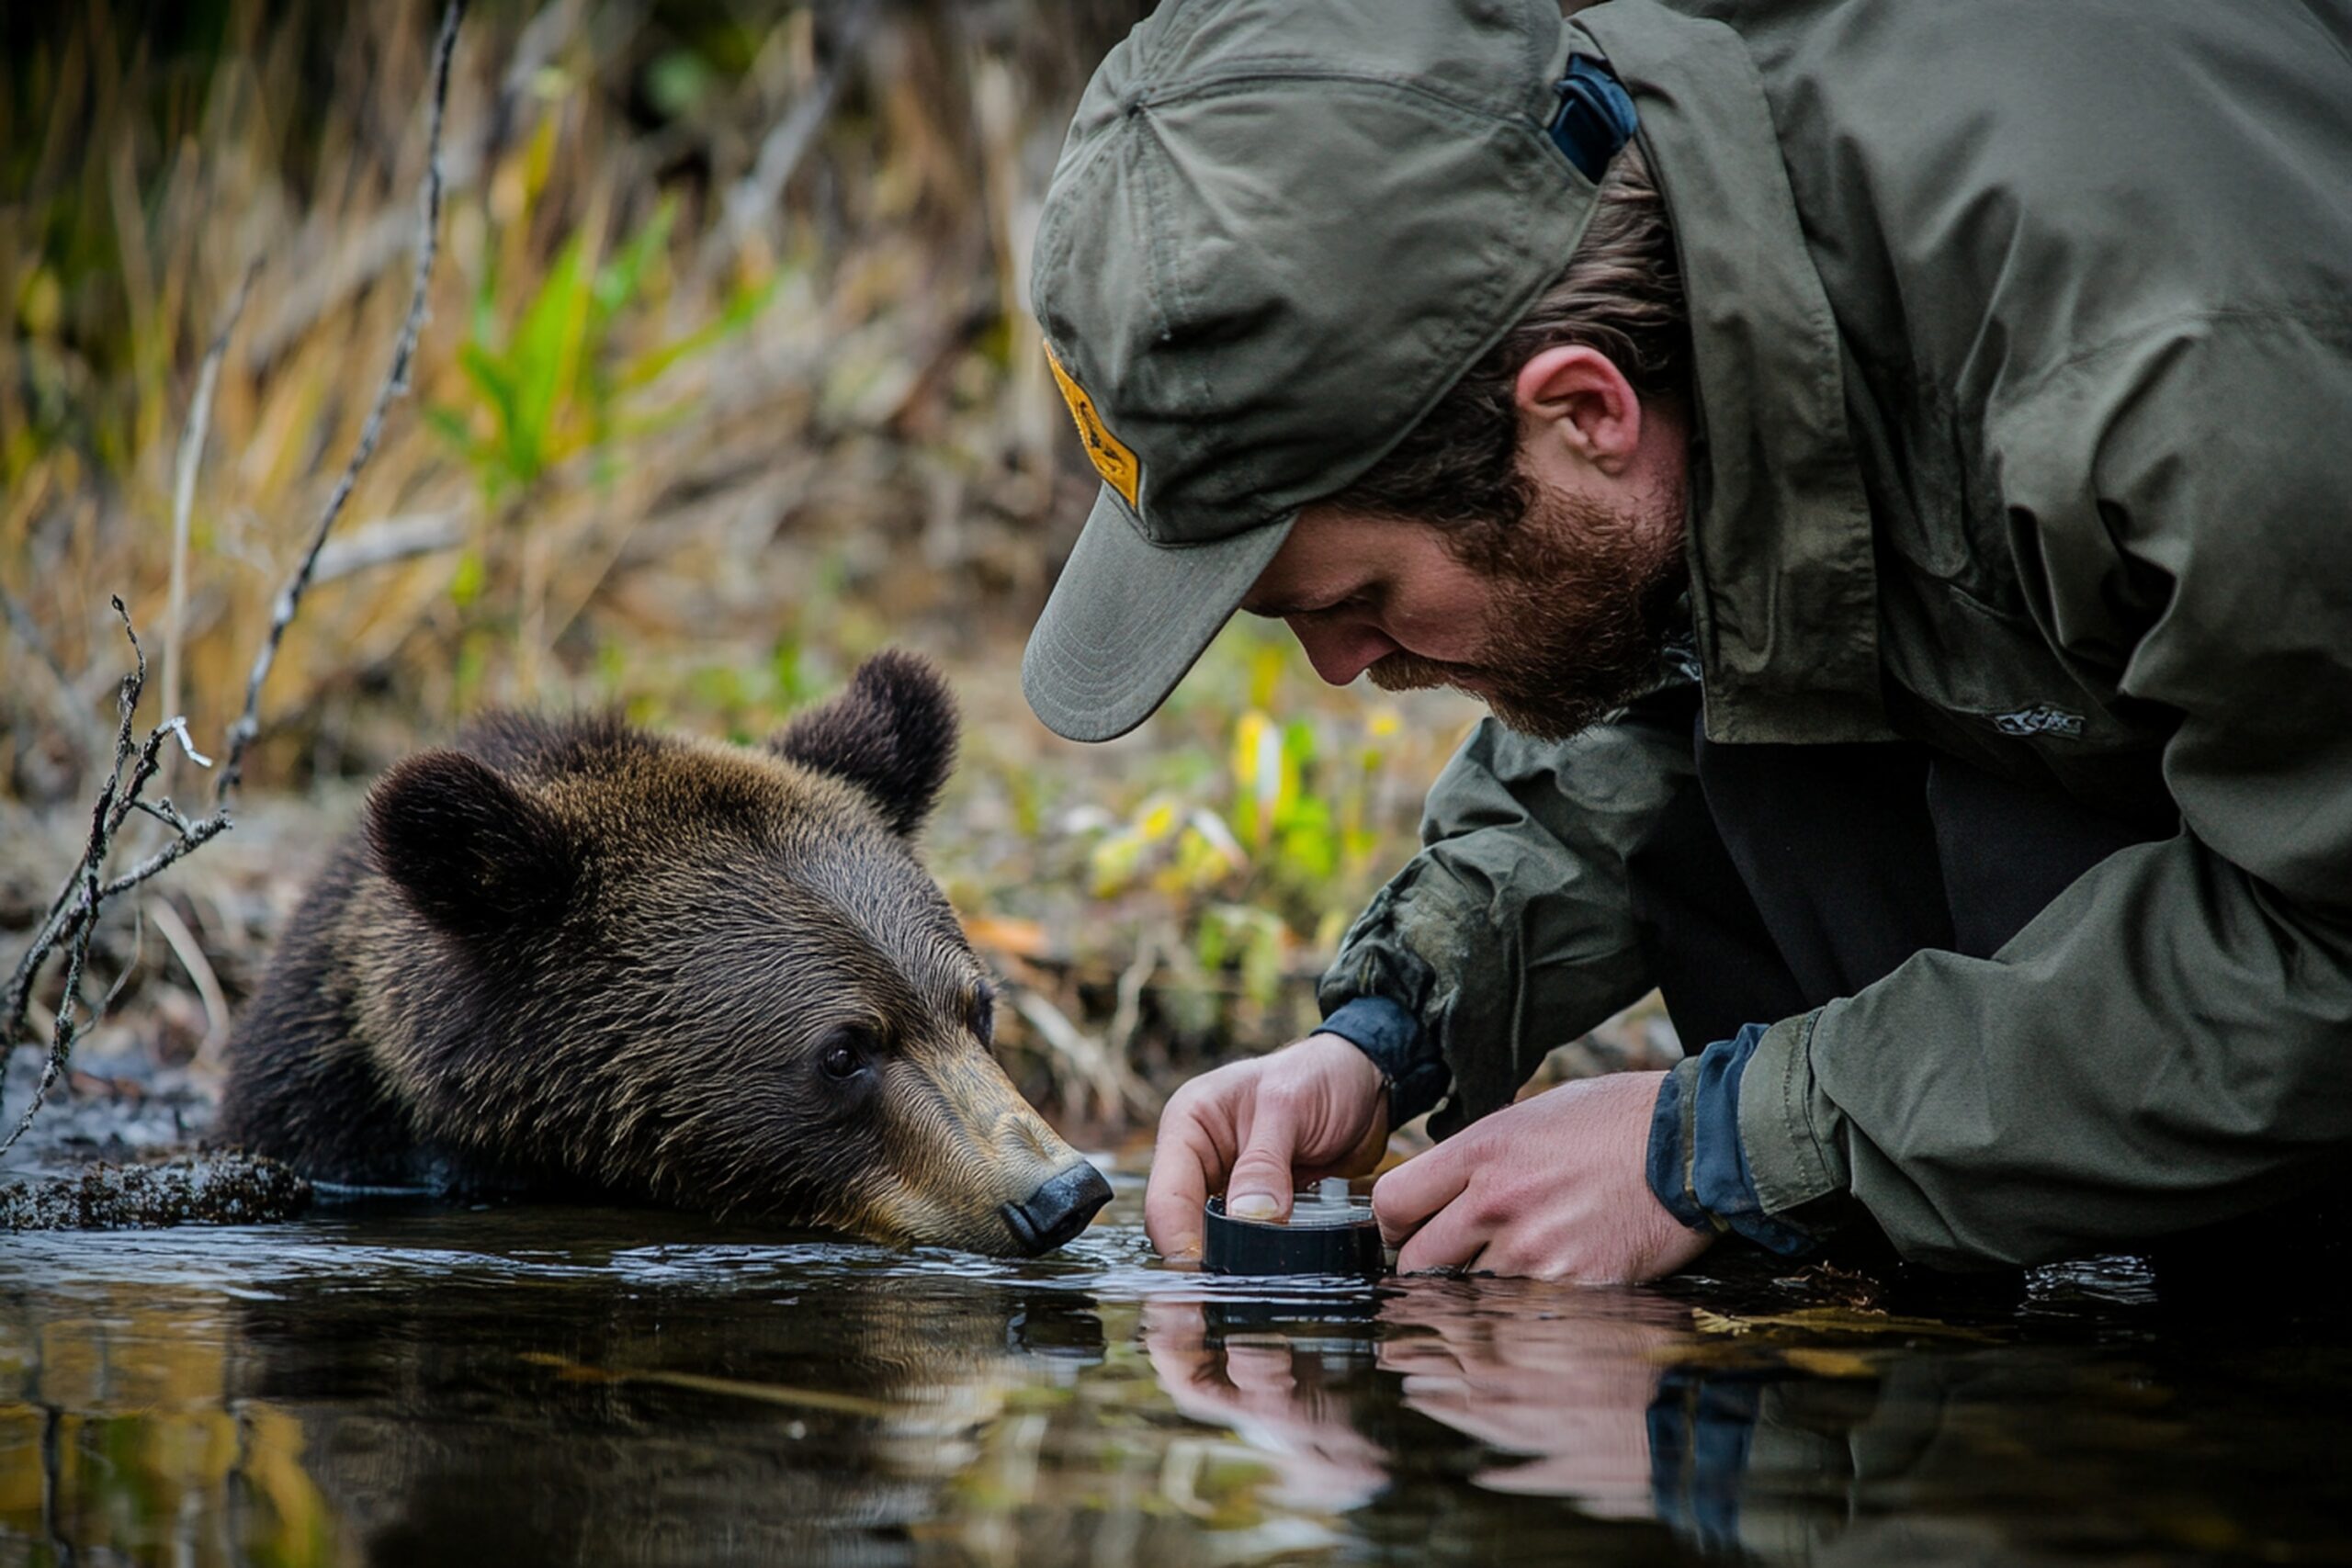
{"points": [[571, 958]]}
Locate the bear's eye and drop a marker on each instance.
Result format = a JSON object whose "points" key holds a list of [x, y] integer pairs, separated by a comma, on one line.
{"points": [[981, 1017], [844, 1053]]}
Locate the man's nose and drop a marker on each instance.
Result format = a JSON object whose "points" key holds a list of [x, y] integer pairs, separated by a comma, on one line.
{"points": [[1341, 650], [1059, 1210]]}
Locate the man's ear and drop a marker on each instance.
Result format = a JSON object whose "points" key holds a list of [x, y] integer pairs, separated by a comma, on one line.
{"points": [[892, 734], [1578, 398], [469, 852]]}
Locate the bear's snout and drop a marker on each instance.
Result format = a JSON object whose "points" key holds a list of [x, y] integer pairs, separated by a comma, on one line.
{"points": [[1057, 1210]]}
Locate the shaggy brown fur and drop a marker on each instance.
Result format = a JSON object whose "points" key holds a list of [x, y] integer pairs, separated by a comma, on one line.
{"points": [[571, 957]]}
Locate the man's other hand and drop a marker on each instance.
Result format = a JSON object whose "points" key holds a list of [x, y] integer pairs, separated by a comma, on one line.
{"points": [[1257, 1128], [1553, 1188]]}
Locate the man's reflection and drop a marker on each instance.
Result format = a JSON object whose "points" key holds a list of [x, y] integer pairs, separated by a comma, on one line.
{"points": [[1284, 1388], [1769, 1446], [1560, 1387]]}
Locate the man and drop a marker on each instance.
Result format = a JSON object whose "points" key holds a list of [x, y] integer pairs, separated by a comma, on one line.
{"points": [[1889, 470]]}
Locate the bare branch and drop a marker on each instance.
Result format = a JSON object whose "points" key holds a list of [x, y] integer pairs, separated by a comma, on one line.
{"points": [[191, 458], [289, 598], [105, 818]]}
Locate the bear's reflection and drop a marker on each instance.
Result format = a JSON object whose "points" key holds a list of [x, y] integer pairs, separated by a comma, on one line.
{"points": [[456, 1421]]}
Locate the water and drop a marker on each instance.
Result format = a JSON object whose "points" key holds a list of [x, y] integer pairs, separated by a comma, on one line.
{"points": [[536, 1385]]}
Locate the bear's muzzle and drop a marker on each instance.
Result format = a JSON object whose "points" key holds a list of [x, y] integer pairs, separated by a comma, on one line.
{"points": [[1057, 1210]]}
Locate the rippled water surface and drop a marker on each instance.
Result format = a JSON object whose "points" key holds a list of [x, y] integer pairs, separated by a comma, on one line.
{"points": [[540, 1385]]}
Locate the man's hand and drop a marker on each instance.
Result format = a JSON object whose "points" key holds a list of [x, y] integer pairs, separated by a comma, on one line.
{"points": [[1553, 1187], [1313, 1109]]}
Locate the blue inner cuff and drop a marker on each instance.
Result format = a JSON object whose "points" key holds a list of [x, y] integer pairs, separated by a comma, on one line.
{"points": [[1701, 1428], [1392, 1037], [1697, 1167]]}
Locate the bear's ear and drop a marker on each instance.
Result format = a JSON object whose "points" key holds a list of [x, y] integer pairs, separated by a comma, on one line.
{"points": [[892, 734], [472, 853]]}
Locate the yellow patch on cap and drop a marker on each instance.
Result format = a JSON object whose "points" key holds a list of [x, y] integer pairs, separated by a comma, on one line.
{"points": [[1111, 456]]}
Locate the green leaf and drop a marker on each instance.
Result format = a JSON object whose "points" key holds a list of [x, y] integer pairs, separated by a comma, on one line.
{"points": [[546, 357], [618, 280], [492, 378]]}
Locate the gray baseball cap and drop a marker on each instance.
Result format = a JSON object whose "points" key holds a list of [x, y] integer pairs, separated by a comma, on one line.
{"points": [[1280, 230]]}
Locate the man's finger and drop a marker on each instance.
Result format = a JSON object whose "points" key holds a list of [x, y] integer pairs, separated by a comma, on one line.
{"points": [[1452, 1239], [1260, 1187], [1186, 1160], [1403, 1200]]}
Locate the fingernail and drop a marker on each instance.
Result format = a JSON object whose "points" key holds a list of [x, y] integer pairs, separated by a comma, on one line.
{"points": [[1186, 1249], [1252, 1206]]}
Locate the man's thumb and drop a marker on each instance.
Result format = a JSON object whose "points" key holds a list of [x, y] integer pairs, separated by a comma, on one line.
{"points": [[1261, 1176], [1259, 1188]]}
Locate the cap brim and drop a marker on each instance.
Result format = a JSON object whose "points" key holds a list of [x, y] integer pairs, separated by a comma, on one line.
{"points": [[1129, 617]]}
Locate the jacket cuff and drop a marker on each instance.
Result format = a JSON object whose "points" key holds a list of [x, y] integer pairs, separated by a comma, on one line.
{"points": [[1698, 1167], [1411, 1064], [1787, 1129]]}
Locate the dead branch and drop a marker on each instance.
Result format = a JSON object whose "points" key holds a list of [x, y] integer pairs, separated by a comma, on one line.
{"points": [[73, 916], [185, 466]]}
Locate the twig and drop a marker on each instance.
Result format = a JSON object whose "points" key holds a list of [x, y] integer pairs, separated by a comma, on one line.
{"points": [[289, 598], [191, 458], [72, 917], [106, 815]]}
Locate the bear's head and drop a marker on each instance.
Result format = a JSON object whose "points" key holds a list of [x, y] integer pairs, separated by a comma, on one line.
{"points": [[712, 976]]}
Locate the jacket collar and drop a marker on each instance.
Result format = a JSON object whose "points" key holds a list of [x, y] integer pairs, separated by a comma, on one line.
{"points": [[1784, 590]]}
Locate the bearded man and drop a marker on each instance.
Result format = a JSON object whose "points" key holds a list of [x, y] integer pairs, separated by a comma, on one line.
{"points": [[1888, 468]]}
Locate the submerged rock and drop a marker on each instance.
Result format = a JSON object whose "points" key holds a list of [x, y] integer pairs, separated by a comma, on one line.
{"points": [[199, 1189]]}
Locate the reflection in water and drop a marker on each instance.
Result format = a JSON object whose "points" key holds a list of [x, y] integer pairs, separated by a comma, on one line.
{"points": [[516, 1386], [1823, 1436]]}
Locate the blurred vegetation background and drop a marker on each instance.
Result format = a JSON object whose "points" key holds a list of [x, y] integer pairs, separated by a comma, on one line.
{"points": [[729, 381]]}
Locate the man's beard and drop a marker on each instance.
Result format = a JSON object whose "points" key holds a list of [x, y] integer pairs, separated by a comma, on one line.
{"points": [[1585, 600]]}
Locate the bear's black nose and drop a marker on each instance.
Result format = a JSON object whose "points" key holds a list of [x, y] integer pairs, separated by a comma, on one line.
{"points": [[1059, 1210]]}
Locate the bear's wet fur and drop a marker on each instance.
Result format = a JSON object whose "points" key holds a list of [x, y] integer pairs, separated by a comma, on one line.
{"points": [[571, 958]]}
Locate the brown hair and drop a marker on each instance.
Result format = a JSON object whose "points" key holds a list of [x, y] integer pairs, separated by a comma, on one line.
{"points": [[1620, 293]]}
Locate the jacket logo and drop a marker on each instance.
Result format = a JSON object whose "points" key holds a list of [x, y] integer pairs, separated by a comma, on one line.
{"points": [[2040, 719], [1112, 457]]}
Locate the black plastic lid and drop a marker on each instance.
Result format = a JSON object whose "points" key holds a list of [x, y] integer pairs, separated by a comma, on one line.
{"points": [[1327, 1235]]}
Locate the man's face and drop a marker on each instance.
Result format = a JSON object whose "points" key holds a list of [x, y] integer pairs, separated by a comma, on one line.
{"points": [[1553, 621]]}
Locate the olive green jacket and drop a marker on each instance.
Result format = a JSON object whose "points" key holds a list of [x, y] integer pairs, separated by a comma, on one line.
{"points": [[2023, 348]]}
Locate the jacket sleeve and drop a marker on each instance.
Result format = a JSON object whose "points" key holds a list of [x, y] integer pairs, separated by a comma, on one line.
{"points": [[1511, 931], [2169, 1043]]}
